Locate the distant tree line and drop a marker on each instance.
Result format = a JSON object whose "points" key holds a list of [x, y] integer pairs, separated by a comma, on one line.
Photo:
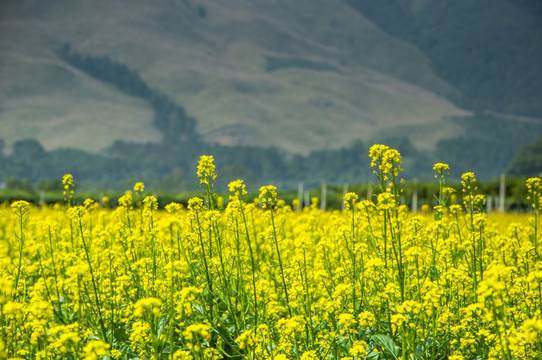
{"points": [[50, 191], [528, 160], [488, 145], [172, 167]]}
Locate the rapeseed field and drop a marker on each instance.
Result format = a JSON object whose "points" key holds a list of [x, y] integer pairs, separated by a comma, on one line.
{"points": [[254, 279]]}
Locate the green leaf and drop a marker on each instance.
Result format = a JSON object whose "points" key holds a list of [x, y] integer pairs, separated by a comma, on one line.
{"points": [[387, 344]]}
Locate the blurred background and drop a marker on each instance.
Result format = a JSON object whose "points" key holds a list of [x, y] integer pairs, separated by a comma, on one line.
{"points": [[284, 92]]}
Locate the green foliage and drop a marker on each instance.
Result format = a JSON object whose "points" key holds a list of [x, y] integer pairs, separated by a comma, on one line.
{"points": [[348, 164], [14, 184], [387, 344], [488, 145], [528, 160], [105, 69], [50, 191], [51, 185], [167, 167]]}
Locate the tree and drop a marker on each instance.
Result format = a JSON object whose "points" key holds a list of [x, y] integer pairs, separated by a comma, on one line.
{"points": [[528, 160]]}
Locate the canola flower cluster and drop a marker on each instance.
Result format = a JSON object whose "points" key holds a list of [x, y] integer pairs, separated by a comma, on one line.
{"points": [[257, 280]]}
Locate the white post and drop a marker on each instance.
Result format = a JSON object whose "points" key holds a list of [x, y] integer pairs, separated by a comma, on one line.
{"points": [[502, 194], [323, 197], [300, 196], [489, 204]]}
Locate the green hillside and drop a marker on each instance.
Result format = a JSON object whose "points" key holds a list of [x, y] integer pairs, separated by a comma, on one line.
{"points": [[490, 50], [61, 107], [286, 91], [302, 76]]}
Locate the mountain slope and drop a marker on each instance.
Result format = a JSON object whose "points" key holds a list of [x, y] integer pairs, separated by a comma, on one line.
{"points": [[300, 75], [61, 107], [490, 50]]}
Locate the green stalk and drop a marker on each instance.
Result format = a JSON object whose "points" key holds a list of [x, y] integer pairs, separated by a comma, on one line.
{"points": [[224, 274], [21, 239], [55, 275], [207, 275], [252, 264], [536, 236], [113, 292], [171, 296], [275, 240], [308, 299], [353, 257], [94, 286]]}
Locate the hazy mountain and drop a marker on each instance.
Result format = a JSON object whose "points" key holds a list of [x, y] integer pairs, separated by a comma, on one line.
{"points": [[488, 49], [460, 79], [301, 75]]}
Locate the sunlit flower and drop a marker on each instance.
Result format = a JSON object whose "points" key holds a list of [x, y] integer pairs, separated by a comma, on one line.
{"points": [[268, 196], [206, 169]]}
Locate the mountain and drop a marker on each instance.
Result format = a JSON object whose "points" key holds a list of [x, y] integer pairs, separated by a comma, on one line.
{"points": [[448, 80], [490, 50], [301, 75]]}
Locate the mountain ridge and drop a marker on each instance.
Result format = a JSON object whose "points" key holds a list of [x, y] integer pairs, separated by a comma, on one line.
{"points": [[222, 79]]}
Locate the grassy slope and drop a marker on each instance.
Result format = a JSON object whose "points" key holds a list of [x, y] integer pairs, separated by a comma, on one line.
{"points": [[214, 59], [64, 108], [43, 98]]}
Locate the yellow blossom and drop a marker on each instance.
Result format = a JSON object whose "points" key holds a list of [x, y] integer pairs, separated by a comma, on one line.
{"points": [[206, 169]]}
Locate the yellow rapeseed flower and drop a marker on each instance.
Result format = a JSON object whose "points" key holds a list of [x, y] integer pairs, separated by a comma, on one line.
{"points": [[195, 204], [237, 188], [95, 349], [206, 169], [441, 169], [139, 187], [126, 200], [350, 200], [67, 181], [194, 331], [268, 196], [147, 306], [20, 207]]}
